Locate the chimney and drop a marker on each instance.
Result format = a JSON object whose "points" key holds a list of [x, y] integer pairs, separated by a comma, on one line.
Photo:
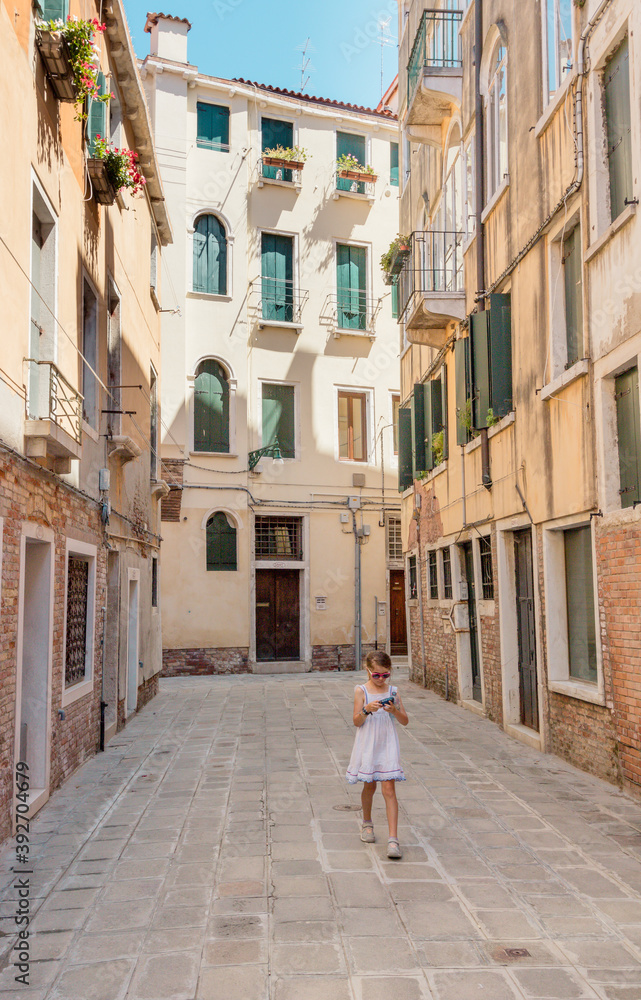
{"points": [[168, 36]]}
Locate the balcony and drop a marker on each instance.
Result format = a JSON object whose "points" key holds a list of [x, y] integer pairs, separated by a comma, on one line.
{"points": [[357, 184], [280, 172], [54, 52], [277, 303], [350, 312], [434, 75], [430, 287], [53, 428]]}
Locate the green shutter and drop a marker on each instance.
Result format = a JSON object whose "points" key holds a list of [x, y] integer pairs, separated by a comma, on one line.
{"points": [[581, 621], [97, 119], [210, 256], [54, 10], [405, 477], [501, 354], [480, 355], [395, 300], [393, 164], [212, 126], [221, 543], [444, 411], [277, 271], [629, 430], [276, 133], [351, 285], [420, 459], [211, 408], [572, 274], [350, 145], [619, 128], [433, 417], [278, 418], [461, 372]]}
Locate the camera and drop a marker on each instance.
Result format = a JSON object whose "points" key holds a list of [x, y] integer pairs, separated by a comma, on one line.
{"points": [[386, 701]]}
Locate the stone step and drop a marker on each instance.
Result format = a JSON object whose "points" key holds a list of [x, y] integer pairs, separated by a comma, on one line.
{"points": [[285, 667]]}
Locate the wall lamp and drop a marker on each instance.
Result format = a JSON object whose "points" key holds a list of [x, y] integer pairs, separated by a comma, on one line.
{"points": [[269, 451]]}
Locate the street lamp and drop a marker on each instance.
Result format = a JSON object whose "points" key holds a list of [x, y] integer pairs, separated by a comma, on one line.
{"points": [[269, 451]]}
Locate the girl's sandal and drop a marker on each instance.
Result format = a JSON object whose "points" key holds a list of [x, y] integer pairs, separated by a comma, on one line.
{"points": [[367, 833], [393, 848]]}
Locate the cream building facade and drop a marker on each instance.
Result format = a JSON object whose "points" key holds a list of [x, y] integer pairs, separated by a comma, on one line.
{"points": [[284, 340], [519, 311], [79, 387]]}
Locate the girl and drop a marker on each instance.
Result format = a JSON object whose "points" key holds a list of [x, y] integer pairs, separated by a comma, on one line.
{"points": [[376, 753]]}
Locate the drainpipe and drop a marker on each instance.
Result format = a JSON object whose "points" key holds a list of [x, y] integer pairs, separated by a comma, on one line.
{"points": [[358, 654], [419, 588], [103, 703]]}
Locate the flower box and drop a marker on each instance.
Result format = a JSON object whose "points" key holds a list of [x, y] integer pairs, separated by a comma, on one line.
{"points": [[54, 52], [277, 161], [398, 259], [103, 189], [357, 175]]}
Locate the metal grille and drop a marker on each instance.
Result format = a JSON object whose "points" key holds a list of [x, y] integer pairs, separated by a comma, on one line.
{"points": [[394, 539], [413, 583], [279, 538], [487, 574], [433, 575], [76, 644], [447, 575], [434, 266]]}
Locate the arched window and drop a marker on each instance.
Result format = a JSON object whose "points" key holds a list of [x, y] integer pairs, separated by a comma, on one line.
{"points": [[496, 120], [211, 407], [221, 543], [210, 256]]}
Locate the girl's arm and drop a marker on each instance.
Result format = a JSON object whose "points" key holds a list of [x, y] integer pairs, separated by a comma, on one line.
{"points": [[359, 701], [398, 710]]}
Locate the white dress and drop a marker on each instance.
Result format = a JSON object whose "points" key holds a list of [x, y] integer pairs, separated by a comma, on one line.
{"points": [[377, 754]]}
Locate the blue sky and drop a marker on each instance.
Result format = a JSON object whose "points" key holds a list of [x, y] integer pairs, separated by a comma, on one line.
{"points": [[262, 41]]}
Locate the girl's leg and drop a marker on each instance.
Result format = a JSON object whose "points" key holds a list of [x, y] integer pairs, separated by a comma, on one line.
{"points": [[388, 789], [369, 787]]}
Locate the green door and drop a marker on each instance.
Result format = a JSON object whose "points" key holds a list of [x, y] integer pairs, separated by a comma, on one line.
{"points": [[276, 133], [211, 408], [350, 145], [627, 401], [277, 269], [351, 284], [278, 418]]}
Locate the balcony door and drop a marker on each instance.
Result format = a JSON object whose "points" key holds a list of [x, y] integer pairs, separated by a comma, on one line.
{"points": [[351, 285], [277, 270]]}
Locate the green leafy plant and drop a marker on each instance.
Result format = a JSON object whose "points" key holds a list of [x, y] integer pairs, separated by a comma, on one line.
{"points": [[296, 153], [84, 55], [491, 418], [465, 418], [349, 162], [399, 244], [120, 166], [438, 447]]}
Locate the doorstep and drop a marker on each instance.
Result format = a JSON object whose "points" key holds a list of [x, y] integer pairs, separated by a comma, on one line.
{"points": [[282, 667]]}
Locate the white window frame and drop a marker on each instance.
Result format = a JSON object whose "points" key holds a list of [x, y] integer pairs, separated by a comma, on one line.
{"points": [[496, 177], [91, 429], [191, 229], [369, 430], [207, 99], [558, 352], [369, 278], [297, 429], [83, 550], [393, 456], [549, 95], [607, 436], [233, 386], [295, 272], [37, 188]]}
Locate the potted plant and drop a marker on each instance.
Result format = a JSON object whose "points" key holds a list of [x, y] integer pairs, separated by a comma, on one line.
{"points": [[394, 257], [438, 448], [112, 170], [72, 60], [292, 158], [348, 167]]}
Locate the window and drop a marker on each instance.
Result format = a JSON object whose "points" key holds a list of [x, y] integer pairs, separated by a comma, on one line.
{"points": [[114, 376], [351, 285], [97, 115], [212, 130], [153, 425], [432, 571], [394, 539], [278, 411], [393, 164], [44, 280], [89, 355], [629, 436], [579, 588], [496, 121], [211, 408], [276, 133], [463, 390], [352, 426], [573, 278], [394, 298], [153, 262], [221, 543], [412, 579], [487, 573], [210, 256], [350, 145], [429, 438], [557, 28], [53, 10], [396, 403], [279, 537], [618, 117], [277, 272], [470, 188], [490, 363], [76, 620], [447, 574], [407, 159], [405, 473], [154, 581]]}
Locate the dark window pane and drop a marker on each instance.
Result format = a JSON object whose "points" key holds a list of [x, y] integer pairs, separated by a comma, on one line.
{"points": [[413, 586], [629, 436], [447, 575], [211, 408], [433, 575], [572, 272], [221, 543], [487, 575], [580, 604]]}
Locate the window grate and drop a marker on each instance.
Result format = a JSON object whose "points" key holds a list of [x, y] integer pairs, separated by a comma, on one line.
{"points": [[433, 575], [394, 539], [487, 573], [279, 538], [447, 575], [76, 639], [413, 583]]}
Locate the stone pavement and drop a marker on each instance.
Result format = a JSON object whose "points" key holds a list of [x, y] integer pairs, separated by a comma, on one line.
{"points": [[213, 852]]}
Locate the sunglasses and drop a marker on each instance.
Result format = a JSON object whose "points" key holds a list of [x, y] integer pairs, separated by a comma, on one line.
{"points": [[381, 677]]}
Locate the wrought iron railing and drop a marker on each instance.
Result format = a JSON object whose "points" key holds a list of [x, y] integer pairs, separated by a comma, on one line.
{"points": [[278, 300], [278, 172], [52, 397], [437, 45], [433, 266], [351, 310], [361, 184]]}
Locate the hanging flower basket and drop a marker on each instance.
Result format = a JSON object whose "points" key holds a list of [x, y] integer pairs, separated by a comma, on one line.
{"points": [[395, 256], [398, 259], [103, 190], [55, 54], [82, 53]]}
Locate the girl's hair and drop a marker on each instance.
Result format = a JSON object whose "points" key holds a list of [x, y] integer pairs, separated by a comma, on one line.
{"points": [[378, 659]]}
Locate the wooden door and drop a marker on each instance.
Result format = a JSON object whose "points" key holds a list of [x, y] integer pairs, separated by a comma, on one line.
{"points": [[277, 614], [526, 629], [397, 623], [474, 634]]}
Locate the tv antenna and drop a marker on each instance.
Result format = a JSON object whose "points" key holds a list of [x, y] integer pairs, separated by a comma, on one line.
{"points": [[384, 38], [304, 63]]}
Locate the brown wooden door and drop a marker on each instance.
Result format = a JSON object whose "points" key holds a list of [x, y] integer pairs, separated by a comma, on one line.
{"points": [[397, 624], [277, 614]]}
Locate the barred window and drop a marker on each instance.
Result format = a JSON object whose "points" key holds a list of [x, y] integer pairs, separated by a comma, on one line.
{"points": [[447, 574], [394, 538], [487, 573], [76, 627], [433, 575], [279, 537], [413, 583], [154, 581]]}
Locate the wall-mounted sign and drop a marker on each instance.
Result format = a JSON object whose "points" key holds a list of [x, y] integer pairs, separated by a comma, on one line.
{"points": [[321, 604]]}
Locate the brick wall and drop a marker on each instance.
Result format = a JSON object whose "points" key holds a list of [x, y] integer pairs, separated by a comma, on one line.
{"points": [[170, 505], [200, 662], [327, 657]]}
